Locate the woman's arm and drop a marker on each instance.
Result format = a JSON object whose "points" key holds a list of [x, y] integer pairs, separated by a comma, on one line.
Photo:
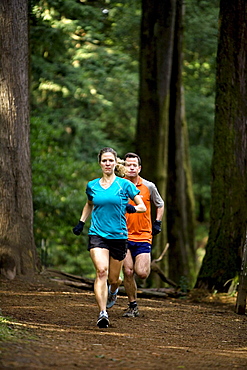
{"points": [[140, 206], [87, 210]]}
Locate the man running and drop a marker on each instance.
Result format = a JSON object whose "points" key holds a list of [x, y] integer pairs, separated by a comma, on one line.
{"points": [[140, 232]]}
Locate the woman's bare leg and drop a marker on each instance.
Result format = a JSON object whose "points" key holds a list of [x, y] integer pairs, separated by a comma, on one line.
{"points": [[100, 258], [114, 280]]}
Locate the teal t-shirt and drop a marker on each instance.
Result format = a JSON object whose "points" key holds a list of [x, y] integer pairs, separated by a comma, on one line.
{"points": [[108, 216]]}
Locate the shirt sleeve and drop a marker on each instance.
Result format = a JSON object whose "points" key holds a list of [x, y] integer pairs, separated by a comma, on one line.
{"points": [[154, 194], [89, 192]]}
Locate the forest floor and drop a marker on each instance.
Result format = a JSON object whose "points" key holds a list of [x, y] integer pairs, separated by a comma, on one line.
{"points": [[54, 327]]}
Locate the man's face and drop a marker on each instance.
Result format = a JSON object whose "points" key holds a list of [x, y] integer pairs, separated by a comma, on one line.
{"points": [[132, 167]]}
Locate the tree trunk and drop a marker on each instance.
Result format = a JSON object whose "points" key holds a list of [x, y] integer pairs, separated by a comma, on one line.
{"points": [[17, 249], [242, 288], [157, 31], [180, 204], [228, 215]]}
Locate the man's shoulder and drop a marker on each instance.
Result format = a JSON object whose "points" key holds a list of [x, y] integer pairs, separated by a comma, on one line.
{"points": [[147, 183], [154, 193]]}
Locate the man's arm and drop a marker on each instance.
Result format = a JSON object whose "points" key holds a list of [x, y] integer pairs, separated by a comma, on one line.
{"points": [[159, 213]]}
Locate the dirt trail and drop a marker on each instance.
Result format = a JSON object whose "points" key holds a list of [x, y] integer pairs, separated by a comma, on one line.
{"points": [[59, 331]]}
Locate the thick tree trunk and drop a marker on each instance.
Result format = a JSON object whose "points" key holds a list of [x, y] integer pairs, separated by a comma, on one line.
{"points": [[180, 204], [157, 32], [229, 167], [17, 250]]}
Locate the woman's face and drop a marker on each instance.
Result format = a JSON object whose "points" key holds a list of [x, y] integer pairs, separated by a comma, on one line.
{"points": [[108, 163]]}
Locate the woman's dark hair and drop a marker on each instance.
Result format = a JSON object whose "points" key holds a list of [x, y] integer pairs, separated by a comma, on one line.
{"points": [[133, 155], [107, 150]]}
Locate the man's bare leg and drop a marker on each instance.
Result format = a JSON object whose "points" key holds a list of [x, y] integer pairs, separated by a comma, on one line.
{"points": [[129, 280]]}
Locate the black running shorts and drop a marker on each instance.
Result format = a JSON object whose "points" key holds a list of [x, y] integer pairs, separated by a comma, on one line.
{"points": [[117, 247]]}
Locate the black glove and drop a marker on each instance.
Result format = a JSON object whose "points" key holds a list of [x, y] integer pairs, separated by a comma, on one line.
{"points": [[156, 227], [130, 208], [78, 228]]}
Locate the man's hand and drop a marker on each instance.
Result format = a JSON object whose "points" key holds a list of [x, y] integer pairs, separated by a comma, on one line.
{"points": [[78, 228], [156, 227], [130, 208]]}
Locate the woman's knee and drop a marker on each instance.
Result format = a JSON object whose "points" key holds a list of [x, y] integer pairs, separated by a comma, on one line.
{"points": [[102, 273]]}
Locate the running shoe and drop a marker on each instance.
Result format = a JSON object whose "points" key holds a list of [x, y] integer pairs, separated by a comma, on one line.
{"points": [[131, 312], [103, 321], [112, 297]]}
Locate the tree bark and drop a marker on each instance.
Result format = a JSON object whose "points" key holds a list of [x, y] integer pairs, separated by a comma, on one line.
{"points": [[17, 249], [157, 32], [162, 124], [242, 288], [228, 215], [180, 202]]}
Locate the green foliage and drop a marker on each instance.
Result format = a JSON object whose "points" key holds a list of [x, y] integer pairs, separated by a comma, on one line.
{"points": [[200, 115], [6, 331], [82, 76], [84, 96], [10, 332], [84, 85], [184, 284], [59, 183]]}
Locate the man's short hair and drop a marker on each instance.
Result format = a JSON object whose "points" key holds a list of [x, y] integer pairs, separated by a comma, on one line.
{"points": [[133, 155]]}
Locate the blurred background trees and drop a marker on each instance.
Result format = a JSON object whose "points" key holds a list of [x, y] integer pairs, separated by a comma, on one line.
{"points": [[84, 96]]}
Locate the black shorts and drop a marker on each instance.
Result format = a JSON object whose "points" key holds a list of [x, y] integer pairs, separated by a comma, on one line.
{"points": [[117, 247]]}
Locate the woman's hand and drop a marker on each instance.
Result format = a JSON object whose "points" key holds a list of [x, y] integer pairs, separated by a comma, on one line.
{"points": [[78, 228]]}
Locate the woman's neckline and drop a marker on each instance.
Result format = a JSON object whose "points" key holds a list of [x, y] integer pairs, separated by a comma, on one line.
{"points": [[105, 183]]}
